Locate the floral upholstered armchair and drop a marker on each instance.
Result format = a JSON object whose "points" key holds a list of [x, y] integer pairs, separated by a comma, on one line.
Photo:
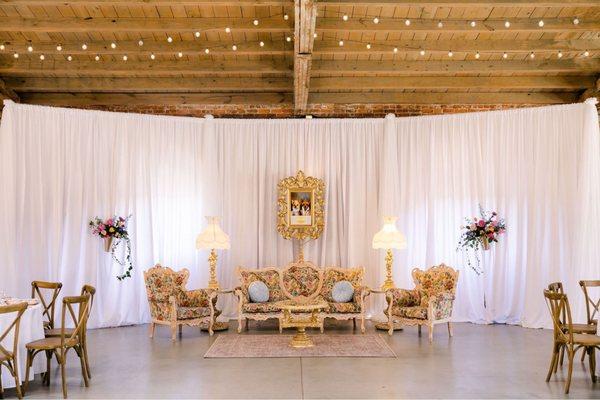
{"points": [[171, 304], [429, 303]]}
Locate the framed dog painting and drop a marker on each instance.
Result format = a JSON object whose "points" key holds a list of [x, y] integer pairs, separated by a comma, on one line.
{"points": [[301, 207]]}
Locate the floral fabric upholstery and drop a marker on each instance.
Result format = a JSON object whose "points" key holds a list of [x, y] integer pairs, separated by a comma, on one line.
{"points": [[404, 297], [260, 307], [433, 281], [192, 312], [301, 280], [333, 276], [443, 305], [410, 312], [344, 308], [268, 276]]}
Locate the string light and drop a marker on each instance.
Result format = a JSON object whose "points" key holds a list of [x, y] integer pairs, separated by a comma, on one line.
{"points": [[450, 53], [140, 43], [368, 46], [477, 55], [286, 17], [97, 58], [375, 20], [152, 56], [473, 24], [69, 58], [30, 48], [575, 21], [84, 46], [180, 54], [407, 22], [59, 47], [422, 52], [197, 34], [315, 35], [586, 53], [234, 47], [206, 51], [262, 44], [288, 38], [16, 55], [532, 55], [440, 24], [507, 24], [541, 23], [42, 57], [395, 50], [2, 47], [125, 58], [255, 22], [345, 17], [228, 29], [113, 45], [341, 42], [560, 54], [169, 39], [504, 55]]}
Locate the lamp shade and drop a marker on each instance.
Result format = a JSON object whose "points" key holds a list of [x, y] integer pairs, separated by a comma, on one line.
{"points": [[212, 237], [389, 237]]}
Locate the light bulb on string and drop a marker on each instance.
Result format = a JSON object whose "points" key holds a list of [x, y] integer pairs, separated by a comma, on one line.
{"points": [[197, 34], [169, 39], [507, 24], [422, 52], [255, 22], [125, 58], [341, 42], [42, 57], [541, 23], [140, 43], [84, 46], [504, 55], [262, 44], [560, 54], [30, 48], [345, 17], [113, 45], [234, 47], [207, 50], [407, 22], [375, 20], [152, 56], [16, 55], [69, 58], [477, 55], [58, 47], [97, 58]]}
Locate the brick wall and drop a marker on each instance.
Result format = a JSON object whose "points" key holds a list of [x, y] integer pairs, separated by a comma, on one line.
{"points": [[318, 111]]}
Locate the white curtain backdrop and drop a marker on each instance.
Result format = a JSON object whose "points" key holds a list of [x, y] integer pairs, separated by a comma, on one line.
{"points": [[537, 167]]}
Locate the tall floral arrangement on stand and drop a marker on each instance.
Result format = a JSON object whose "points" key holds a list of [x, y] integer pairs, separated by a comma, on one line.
{"points": [[479, 233], [113, 231]]}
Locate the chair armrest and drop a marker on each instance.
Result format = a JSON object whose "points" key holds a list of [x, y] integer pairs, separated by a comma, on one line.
{"points": [[360, 294], [402, 297], [440, 305]]}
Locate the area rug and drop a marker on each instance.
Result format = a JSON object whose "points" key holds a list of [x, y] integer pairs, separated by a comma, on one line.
{"points": [[273, 346]]}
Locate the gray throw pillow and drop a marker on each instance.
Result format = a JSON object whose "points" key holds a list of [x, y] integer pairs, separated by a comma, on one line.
{"points": [[342, 292], [258, 292]]}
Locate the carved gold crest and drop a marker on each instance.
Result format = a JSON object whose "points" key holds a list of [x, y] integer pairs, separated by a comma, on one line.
{"points": [[301, 207]]}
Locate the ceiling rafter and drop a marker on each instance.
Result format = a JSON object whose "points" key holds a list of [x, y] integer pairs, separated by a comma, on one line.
{"points": [[306, 14]]}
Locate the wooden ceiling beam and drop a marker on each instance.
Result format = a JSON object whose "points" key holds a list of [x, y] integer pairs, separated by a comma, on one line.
{"points": [[395, 25], [8, 93], [435, 67], [449, 82], [153, 84], [154, 25], [147, 68], [444, 98], [304, 29], [323, 3]]}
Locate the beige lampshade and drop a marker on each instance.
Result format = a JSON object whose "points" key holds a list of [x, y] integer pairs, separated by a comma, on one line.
{"points": [[389, 237], [212, 237]]}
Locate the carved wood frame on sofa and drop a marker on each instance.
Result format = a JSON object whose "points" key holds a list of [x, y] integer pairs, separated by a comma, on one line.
{"points": [[301, 281], [429, 303]]}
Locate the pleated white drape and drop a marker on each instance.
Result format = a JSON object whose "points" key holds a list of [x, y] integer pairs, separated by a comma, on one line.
{"points": [[537, 167]]}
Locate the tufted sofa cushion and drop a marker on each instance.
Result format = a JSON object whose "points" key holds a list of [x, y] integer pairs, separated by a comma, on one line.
{"points": [[258, 292]]}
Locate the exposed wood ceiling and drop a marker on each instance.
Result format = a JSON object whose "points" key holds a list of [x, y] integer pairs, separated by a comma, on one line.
{"points": [[301, 52]]}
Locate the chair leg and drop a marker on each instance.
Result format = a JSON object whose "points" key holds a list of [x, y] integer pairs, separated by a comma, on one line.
{"points": [[48, 367], [240, 324], [362, 324], [354, 323], [180, 331], [1, 388], [553, 362], [583, 355], [173, 332], [152, 328], [450, 333], [419, 329], [85, 353], [247, 322], [568, 383], [63, 375], [27, 367], [592, 361], [17, 379], [430, 333]]}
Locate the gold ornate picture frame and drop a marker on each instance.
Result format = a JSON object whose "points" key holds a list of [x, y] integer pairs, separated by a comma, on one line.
{"points": [[301, 207]]}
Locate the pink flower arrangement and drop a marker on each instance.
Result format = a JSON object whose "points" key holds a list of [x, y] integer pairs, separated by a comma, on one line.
{"points": [[479, 232], [115, 227]]}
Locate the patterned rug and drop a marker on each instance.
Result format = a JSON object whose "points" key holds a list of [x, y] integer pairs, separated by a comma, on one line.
{"points": [[270, 346]]}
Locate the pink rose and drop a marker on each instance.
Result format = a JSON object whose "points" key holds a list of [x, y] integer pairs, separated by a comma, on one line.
{"points": [[490, 235], [481, 223], [109, 221]]}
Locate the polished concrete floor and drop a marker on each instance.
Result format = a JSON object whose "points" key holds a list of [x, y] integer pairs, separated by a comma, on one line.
{"points": [[494, 361]]}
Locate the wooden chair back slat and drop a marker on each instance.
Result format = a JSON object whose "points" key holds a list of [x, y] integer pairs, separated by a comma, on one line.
{"points": [[48, 306], [594, 310], [558, 304], [19, 309], [78, 318]]}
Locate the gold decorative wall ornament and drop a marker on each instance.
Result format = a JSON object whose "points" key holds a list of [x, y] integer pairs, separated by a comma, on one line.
{"points": [[301, 207]]}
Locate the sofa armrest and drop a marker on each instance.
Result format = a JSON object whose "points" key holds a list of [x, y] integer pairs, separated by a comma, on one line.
{"points": [[360, 294], [440, 305], [242, 297], [402, 297]]}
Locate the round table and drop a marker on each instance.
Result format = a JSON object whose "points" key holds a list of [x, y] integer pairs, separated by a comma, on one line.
{"points": [[301, 315], [30, 329]]}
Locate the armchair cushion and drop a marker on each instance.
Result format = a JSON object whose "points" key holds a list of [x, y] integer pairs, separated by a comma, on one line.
{"points": [[260, 307], [269, 276], [433, 281], [342, 292], [193, 298], [344, 308], [416, 312], [192, 312], [403, 297]]}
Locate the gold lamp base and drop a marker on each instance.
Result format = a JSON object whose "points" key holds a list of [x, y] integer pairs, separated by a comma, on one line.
{"points": [[388, 283], [212, 262]]}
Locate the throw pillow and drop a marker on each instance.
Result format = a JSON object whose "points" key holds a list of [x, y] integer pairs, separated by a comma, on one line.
{"points": [[342, 292], [258, 292]]}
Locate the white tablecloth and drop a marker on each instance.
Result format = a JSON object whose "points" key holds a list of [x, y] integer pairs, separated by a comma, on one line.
{"points": [[31, 328]]}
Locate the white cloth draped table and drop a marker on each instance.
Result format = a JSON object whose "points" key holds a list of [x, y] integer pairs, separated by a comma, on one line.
{"points": [[31, 328], [538, 167]]}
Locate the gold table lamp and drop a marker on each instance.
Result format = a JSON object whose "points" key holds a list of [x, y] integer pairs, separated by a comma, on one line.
{"points": [[389, 238], [213, 238]]}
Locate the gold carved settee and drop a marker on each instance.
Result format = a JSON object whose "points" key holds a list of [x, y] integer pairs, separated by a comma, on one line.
{"points": [[429, 303], [171, 304], [301, 281]]}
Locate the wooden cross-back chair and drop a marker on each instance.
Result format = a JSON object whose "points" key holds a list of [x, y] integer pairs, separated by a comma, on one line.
{"points": [[91, 291], [37, 289], [558, 304], [60, 345], [592, 307], [8, 358]]}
